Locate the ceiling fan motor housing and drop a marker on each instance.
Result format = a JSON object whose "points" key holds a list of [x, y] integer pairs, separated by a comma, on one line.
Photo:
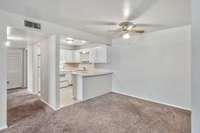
{"points": [[126, 26]]}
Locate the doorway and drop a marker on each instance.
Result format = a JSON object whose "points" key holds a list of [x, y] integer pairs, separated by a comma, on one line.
{"points": [[23, 74]]}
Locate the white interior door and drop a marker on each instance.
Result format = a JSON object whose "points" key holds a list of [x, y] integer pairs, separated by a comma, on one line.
{"points": [[15, 68]]}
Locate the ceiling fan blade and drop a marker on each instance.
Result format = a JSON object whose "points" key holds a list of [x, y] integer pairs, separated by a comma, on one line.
{"points": [[137, 30], [103, 23], [149, 25], [139, 8], [116, 30]]}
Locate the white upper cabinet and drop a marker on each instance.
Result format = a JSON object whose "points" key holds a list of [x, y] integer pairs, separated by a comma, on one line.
{"points": [[69, 56], [92, 55], [76, 56], [101, 54], [98, 54]]}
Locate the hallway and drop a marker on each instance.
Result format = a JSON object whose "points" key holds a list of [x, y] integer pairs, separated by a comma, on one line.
{"points": [[22, 106]]}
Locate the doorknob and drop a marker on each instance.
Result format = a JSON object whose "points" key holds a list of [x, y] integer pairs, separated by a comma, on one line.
{"points": [[8, 82]]}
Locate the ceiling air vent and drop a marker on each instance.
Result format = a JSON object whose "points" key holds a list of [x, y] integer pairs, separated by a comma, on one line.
{"points": [[32, 24]]}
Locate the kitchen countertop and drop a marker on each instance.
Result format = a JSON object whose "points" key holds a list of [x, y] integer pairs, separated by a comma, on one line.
{"points": [[94, 72], [63, 71]]}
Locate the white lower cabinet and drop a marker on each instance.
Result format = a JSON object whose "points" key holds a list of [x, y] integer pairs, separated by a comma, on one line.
{"points": [[90, 86]]}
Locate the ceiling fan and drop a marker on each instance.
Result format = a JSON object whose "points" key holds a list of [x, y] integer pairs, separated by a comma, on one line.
{"points": [[126, 28], [129, 24]]}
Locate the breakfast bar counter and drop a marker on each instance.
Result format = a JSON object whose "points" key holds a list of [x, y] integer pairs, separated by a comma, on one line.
{"points": [[90, 84]]}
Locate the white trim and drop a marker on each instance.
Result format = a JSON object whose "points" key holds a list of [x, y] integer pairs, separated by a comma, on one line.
{"points": [[3, 127], [148, 99], [48, 105], [77, 101]]}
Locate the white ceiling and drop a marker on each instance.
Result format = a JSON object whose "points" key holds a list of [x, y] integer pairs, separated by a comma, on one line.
{"points": [[80, 13], [19, 38], [75, 41]]}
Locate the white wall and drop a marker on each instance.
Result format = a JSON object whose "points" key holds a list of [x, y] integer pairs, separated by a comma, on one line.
{"points": [[195, 66], [53, 71], [30, 69], [3, 86], [3, 79], [36, 52], [25, 67], [44, 70], [50, 71], [154, 66]]}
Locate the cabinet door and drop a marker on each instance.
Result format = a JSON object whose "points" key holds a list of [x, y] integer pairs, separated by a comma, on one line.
{"points": [[76, 56], [84, 55], [101, 54], [66, 55], [92, 55]]}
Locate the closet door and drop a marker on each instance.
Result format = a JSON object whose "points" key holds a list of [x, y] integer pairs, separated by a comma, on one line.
{"points": [[15, 68]]}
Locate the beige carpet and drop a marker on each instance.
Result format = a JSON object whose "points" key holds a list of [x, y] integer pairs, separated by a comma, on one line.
{"points": [[111, 113], [18, 97], [22, 105]]}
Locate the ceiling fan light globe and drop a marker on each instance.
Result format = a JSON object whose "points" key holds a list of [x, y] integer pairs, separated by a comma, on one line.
{"points": [[69, 41], [126, 36]]}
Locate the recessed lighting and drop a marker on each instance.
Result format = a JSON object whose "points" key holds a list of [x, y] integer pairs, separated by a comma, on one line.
{"points": [[69, 41], [69, 38], [84, 52], [126, 36], [7, 44], [15, 38]]}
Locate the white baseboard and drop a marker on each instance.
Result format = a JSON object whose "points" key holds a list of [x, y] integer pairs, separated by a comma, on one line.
{"points": [[154, 101], [3, 127], [48, 105]]}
